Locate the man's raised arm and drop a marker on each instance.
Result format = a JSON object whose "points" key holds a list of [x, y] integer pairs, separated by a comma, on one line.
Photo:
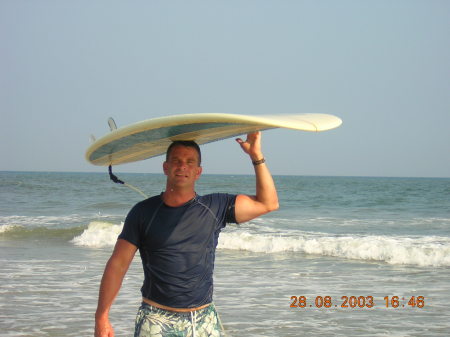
{"points": [[249, 207]]}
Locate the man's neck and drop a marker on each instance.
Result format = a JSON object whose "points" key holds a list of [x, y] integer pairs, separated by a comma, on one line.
{"points": [[176, 197]]}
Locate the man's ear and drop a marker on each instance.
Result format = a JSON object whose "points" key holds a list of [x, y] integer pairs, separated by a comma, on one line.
{"points": [[165, 168], [199, 172]]}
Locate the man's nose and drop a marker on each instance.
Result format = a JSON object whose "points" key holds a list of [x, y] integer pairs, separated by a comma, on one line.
{"points": [[182, 165]]}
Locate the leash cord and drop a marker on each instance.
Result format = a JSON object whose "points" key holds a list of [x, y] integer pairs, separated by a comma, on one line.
{"points": [[115, 179]]}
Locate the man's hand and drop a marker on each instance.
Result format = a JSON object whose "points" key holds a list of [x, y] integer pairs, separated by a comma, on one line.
{"points": [[252, 145], [103, 328]]}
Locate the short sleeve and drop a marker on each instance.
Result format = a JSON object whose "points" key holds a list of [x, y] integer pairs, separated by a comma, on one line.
{"points": [[132, 227], [230, 215], [223, 204]]}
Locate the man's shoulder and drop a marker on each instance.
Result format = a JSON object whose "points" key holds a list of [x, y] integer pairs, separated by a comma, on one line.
{"points": [[216, 197], [221, 205], [143, 204], [144, 208], [155, 198]]}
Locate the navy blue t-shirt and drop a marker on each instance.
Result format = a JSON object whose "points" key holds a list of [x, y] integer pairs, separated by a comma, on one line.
{"points": [[177, 246]]}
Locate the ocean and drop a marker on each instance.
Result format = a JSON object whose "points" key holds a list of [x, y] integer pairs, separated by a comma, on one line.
{"points": [[343, 256]]}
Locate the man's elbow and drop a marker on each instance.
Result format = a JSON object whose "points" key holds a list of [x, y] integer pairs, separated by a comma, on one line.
{"points": [[273, 206]]}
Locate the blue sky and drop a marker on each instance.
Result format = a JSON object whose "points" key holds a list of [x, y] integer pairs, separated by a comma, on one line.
{"points": [[381, 66]]}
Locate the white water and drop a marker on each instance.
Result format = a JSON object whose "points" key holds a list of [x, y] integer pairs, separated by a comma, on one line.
{"points": [[417, 250]]}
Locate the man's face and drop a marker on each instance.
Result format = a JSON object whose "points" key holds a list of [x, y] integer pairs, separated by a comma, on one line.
{"points": [[182, 167]]}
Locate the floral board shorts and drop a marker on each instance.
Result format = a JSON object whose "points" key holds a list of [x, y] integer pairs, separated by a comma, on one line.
{"points": [[156, 322]]}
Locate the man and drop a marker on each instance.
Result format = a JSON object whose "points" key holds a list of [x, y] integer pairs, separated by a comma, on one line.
{"points": [[176, 233]]}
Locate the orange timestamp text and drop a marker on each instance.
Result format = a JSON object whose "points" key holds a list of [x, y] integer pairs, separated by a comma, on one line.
{"points": [[357, 302]]}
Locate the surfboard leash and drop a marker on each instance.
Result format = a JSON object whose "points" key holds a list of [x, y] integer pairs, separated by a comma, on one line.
{"points": [[116, 180]]}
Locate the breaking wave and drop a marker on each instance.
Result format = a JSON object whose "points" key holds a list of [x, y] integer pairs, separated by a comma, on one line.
{"points": [[419, 251]]}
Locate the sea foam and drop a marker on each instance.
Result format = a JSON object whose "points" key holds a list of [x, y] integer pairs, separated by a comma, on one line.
{"points": [[420, 251], [98, 234], [7, 228], [396, 250]]}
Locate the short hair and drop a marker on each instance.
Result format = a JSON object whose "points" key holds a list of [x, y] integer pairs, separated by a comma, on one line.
{"points": [[185, 143]]}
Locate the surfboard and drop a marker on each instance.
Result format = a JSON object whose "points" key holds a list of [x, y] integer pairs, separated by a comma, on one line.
{"points": [[150, 138]]}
